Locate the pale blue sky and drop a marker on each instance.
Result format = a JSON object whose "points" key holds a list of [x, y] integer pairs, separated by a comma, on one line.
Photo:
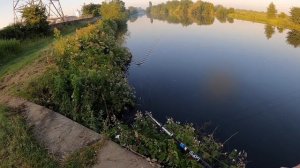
{"points": [[69, 6]]}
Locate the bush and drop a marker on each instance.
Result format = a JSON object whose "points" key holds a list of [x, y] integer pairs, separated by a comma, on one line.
{"points": [[144, 138]]}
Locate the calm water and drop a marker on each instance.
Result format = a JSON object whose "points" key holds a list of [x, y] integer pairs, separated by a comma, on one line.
{"points": [[238, 76]]}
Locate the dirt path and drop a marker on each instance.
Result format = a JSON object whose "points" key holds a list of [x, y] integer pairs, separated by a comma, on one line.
{"points": [[21, 77]]}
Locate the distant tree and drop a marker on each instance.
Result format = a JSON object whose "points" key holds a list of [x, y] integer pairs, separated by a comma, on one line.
{"points": [[91, 10], [36, 19], [269, 31], [282, 15], [132, 10], [271, 11], [207, 9], [295, 15]]}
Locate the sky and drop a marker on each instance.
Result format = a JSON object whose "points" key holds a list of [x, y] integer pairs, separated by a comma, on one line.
{"points": [[70, 6]]}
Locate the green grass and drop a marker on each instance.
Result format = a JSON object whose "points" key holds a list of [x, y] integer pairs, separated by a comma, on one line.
{"points": [[261, 17], [31, 49], [8, 48], [85, 157], [18, 148]]}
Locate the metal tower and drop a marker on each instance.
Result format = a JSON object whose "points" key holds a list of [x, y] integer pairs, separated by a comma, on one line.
{"points": [[53, 8]]}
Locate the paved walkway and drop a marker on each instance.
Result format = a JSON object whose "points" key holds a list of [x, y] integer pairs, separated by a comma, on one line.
{"points": [[62, 136]]}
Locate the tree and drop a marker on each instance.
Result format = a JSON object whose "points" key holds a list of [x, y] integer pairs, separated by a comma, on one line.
{"points": [[36, 19], [271, 12], [91, 10], [295, 15], [114, 10]]}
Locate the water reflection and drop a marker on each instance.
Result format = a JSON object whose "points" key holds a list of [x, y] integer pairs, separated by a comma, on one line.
{"points": [[269, 31], [293, 37]]}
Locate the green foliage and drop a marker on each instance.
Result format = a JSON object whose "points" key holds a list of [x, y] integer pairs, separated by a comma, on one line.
{"points": [[144, 138], [114, 10], [293, 38], [295, 15], [89, 85], [271, 11], [91, 10], [18, 147], [36, 19]]}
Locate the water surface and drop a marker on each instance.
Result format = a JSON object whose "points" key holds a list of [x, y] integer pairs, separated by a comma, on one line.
{"points": [[241, 77]]}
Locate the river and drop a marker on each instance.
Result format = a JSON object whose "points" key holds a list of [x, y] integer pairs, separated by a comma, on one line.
{"points": [[239, 77]]}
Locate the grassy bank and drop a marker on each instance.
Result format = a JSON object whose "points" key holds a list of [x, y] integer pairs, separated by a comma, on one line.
{"points": [[19, 53], [18, 148], [261, 17]]}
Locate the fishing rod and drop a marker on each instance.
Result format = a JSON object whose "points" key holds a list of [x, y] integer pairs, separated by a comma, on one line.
{"points": [[181, 145]]}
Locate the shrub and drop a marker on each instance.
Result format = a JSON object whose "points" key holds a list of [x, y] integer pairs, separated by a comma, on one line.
{"points": [[143, 137]]}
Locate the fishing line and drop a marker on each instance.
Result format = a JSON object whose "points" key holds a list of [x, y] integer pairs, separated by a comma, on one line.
{"points": [[149, 52]]}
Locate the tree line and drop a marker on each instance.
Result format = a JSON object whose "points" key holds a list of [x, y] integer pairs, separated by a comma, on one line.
{"points": [[272, 12], [188, 12]]}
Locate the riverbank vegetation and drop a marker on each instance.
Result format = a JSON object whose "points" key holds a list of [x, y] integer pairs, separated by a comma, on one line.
{"points": [[88, 83], [271, 17], [262, 17], [144, 137]]}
